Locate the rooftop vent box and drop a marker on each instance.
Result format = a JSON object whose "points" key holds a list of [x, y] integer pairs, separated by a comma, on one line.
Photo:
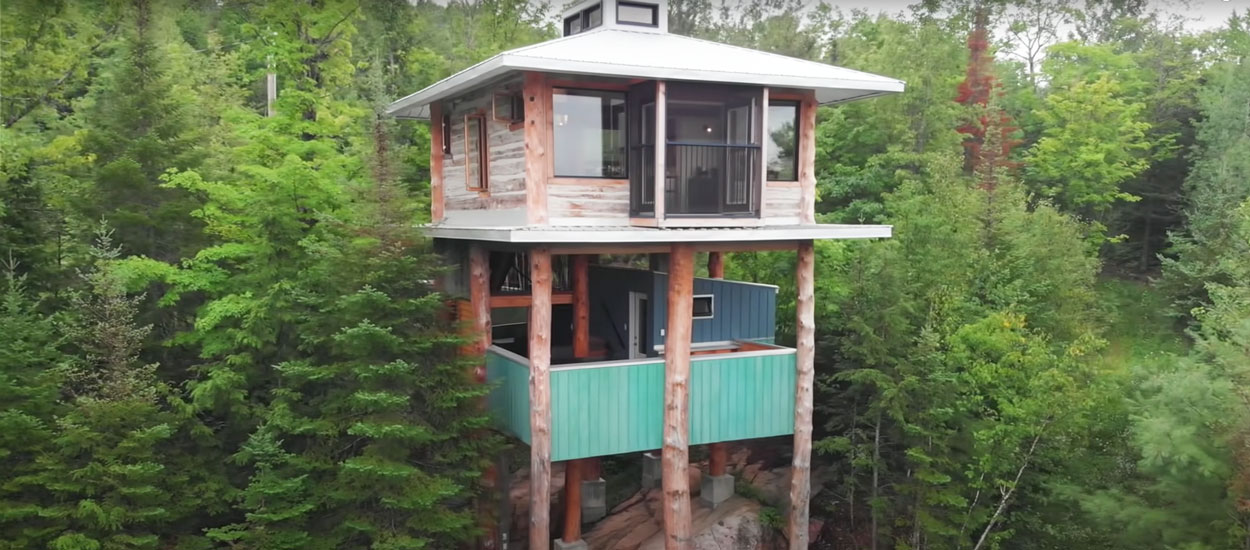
{"points": [[642, 15]]}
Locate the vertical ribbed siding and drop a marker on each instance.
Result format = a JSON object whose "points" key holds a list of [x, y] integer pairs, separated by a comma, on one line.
{"points": [[509, 400], [608, 410], [747, 397], [742, 311]]}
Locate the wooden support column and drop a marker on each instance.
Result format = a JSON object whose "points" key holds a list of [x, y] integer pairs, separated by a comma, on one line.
{"points": [[436, 162], [581, 306], [718, 453], [540, 398], [537, 95], [480, 340], [675, 461], [807, 158], [805, 365], [661, 146], [573, 471]]}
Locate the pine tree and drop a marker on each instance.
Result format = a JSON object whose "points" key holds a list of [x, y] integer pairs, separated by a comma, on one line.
{"points": [[32, 365]]}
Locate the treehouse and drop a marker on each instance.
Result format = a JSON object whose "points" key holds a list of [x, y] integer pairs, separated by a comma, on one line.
{"points": [[574, 183]]}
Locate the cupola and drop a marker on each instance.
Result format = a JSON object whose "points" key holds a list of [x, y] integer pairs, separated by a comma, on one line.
{"points": [[640, 15]]}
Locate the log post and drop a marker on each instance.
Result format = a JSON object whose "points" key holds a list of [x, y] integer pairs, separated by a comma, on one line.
{"points": [[536, 93], [661, 133], [807, 158], [436, 162], [805, 363], [718, 453], [480, 338], [676, 457], [573, 500], [540, 398], [581, 306]]}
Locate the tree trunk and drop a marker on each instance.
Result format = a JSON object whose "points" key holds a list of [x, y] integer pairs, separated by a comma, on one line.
{"points": [[805, 361], [540, 398]]}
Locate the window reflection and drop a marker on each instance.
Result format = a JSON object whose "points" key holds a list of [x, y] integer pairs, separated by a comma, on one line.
{"points": [[781, 145], [589, 133]]}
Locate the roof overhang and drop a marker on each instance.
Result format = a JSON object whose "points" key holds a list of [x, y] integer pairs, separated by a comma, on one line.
{"points": [[656, 56], [651, 235]]}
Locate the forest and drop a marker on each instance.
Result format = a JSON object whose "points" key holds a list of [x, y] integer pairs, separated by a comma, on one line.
{"points": [[218, 327]]}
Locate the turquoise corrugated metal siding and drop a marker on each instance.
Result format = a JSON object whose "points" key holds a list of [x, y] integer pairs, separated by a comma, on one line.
{"points": [[607, 410], [509, 400], [612, 410], [734, 397]]}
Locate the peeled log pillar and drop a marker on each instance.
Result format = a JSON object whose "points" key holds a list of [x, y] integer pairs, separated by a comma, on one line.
{"points": [[675, 460], [540, 398], [718, 453], [805, 364]]}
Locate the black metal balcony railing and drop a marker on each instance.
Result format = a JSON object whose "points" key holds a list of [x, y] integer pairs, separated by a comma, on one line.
{"points": [[711, 179], [701, 179]]}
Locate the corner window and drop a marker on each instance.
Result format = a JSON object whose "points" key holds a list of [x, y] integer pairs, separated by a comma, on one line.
{"points": [[584, 20], [589, 133], [631, 13], [703, 307], [475, 164], [781, 145]]}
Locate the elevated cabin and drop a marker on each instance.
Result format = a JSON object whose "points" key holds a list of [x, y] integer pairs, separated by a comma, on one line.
{"points": [[573, 184]]}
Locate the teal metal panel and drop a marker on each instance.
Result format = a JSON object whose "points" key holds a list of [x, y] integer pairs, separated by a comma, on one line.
{"points": [[737, 396], [509, 399], [610, 410]]}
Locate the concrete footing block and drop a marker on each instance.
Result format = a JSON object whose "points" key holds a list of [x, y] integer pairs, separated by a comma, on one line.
{"points": [[578, 544], [594, 500], [651, 468], [716, 489]]}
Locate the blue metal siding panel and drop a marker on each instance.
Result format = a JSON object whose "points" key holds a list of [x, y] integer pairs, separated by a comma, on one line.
{"points": [[742, 311]]}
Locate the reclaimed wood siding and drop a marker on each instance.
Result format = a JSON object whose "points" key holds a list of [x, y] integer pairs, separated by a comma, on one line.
{"points": [[588, 201], [783, 203], [505, 200]]}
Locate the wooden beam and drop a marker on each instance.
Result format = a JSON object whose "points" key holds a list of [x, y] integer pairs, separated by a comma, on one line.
{"points": [[718, 453], [573, 472], [661, 141], [805, 360], [675, 461], [581, 306], [807, 158], [436, 162], [716, 265], [540, 399], [524, 300], [537, 96], [759, 191]]}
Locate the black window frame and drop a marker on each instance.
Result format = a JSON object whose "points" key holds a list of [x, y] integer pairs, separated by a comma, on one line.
{"points": [[767, 138], [655, 14], [711, 306], [583, 18], [625, 129]]}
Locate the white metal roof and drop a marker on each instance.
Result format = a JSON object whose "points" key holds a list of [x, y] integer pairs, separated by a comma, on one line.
{"points": [[635, 234], [626, 53]]}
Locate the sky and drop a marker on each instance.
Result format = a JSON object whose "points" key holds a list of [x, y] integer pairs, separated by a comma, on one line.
{"points": [[1205, 14]]}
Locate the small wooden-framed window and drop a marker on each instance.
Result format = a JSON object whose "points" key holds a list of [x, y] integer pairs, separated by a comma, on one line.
{"points": [[781, 142], [704, 307], [475, 155], [508, 107], [446, 133]]}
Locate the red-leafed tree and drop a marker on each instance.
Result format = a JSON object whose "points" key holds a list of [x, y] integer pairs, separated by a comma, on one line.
{"points": [[989, 141]]}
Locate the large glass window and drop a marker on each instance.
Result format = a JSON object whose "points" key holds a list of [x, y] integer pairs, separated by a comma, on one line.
{"points": [[782, 142], [589, 132]]}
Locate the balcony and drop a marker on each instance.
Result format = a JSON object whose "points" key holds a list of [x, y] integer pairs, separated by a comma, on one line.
{"points": [[712, 156], [740, 391]]}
